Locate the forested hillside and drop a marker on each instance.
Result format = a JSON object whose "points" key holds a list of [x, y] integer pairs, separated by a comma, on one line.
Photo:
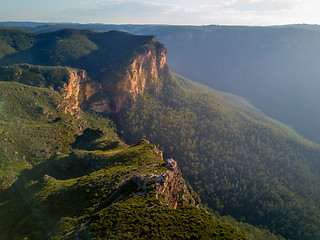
{"points": [[69, 176], [275, 67], [254, 170]]}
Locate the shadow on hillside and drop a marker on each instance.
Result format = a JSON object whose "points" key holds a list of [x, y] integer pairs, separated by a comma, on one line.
{"points": [[83, 160]]}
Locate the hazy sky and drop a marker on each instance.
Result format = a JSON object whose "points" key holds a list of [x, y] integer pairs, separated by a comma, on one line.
{"points": [[195, 12]]}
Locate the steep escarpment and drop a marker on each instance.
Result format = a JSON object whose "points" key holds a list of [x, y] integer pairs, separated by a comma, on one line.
{"points": [[73, 84], [75, 89], [119, 66], [117, 89], [144, 73]]}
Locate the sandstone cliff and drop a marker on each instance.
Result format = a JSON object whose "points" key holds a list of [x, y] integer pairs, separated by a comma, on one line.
{"points": [[118, 89], [74, 89], [113, 75]]}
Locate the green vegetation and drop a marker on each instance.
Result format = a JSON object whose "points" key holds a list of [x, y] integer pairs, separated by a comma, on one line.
{"points": [[273, 67], [90, 193], [12, 41], [142, 217], [253, 233], [65, 177], [33, 127], [252, 169], [100, 54], [38, 76]]}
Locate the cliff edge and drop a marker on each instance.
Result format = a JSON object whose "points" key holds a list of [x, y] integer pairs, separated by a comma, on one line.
{"points": [[116, 67], [114, 89], [169, 186]]}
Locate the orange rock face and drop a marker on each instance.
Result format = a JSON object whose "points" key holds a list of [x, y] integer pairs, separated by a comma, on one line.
{"points": [[71, 90], [145, 72]]}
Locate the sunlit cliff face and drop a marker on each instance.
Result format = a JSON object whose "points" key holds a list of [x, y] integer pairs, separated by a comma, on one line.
{"points": [[143, 73], [71, 90]]}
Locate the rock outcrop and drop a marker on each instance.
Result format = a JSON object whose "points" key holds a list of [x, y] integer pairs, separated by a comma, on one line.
{"points": [[113, 75], [117, 90], [169, 186], [74, 89]]}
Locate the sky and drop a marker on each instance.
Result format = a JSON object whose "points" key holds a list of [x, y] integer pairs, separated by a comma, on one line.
{"points": [[178, 12]]}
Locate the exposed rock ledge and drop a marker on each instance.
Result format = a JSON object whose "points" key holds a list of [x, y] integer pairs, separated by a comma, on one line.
{"points": [[169, 186]]}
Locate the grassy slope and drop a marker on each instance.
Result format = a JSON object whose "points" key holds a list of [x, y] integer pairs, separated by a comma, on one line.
{"points": [[30, 131], [252, 169]]}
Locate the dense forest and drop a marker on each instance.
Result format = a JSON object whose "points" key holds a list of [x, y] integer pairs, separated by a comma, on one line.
{"points": [[256, 171]]}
